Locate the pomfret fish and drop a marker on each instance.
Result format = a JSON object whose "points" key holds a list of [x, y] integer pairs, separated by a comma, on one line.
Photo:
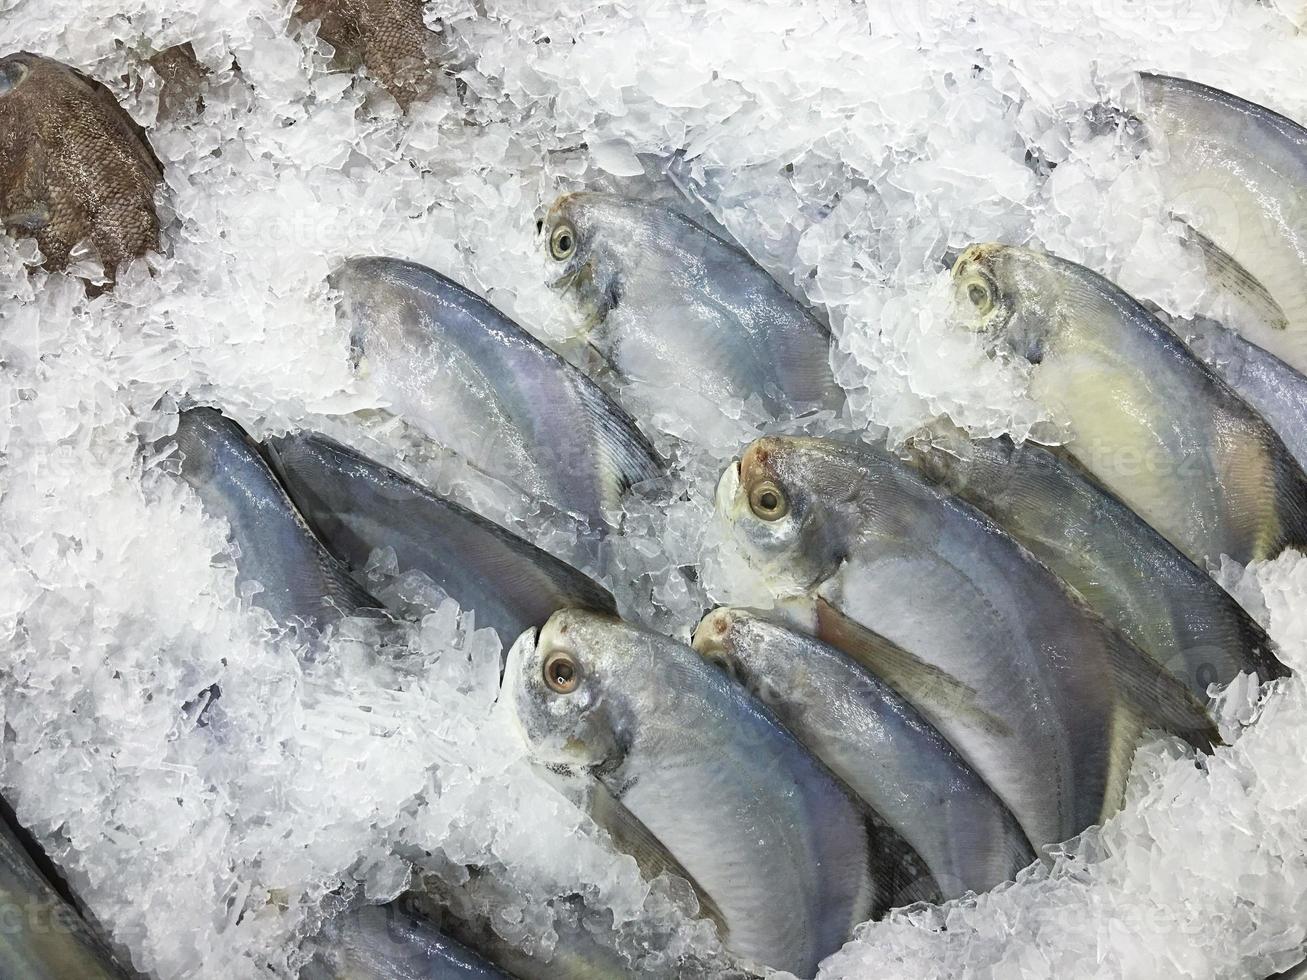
{"points": [[45, 938], [1037, 692], [299, 581], [877, 743], [356, 506], [1236, 172], [473, 380], [74, 166], [1273, 388], [1136, 579], [1149, 420], [683, 309], [791, 860], [384, 942]]}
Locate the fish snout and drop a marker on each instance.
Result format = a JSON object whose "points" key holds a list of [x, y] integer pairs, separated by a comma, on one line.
{"points": [[710, 635]]}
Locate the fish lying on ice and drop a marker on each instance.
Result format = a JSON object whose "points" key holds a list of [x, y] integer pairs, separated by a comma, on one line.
{"points": [[1042, 697], [298, 581], [474, 381], [74, 166], [1273, 388], [1235, 172], [389, 37], [383, 942], [44, 936], [356, 506], [791, 860], [882, 748], [674, 306], [1136, 579], [1149, 420]]}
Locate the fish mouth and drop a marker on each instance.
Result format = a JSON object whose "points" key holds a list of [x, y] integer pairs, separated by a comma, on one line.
{"points": [[510, 665], [728, 490], [709, 638]]}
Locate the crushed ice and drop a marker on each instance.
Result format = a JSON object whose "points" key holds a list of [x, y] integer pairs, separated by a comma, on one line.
{"points": [[853, 149]]}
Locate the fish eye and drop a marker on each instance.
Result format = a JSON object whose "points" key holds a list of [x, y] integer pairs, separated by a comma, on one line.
{"points": [[11, 76], [562, 243], [562, 673], [767, 502], [980, 294]]}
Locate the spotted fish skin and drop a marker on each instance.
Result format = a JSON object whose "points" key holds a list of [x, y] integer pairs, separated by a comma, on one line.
{"points": [[74, 166]]}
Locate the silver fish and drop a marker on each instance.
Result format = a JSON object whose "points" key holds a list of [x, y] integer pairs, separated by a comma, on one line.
{"points": [[780, 845], [1150, 420], [383, 942], [1236, 172], [1136, 579], [356, 506], [45, 938], [473, 380], [299, 582], [1037, 692], [584, 946], [877, 743], [1274, 389], [693, 309]]}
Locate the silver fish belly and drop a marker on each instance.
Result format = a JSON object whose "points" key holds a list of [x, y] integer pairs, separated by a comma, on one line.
{"points": [[766, 830], [1136, 579], [357, 506], [881, 746], [299, 582], [1148, 419], [473, 380], [681, 308], [1236, 172], [1040, 696]]}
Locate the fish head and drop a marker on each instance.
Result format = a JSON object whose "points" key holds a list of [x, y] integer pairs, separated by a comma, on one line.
{"points": [[564, 687], [1008, 294], [774, 502], [578, 240]]}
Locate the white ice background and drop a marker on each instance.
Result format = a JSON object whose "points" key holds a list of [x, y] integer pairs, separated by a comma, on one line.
{"points": [[852, 148]]}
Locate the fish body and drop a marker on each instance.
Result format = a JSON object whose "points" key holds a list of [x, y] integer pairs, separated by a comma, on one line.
{"points": [[389, 37], [1150, 421], [878, 744], [384, 942], [1235, 171], [1274, 389], [298, 580], [1131, 575], [1039, 695], [74, 166], [781, 846], [685, 310], [357, 506], [473, 380], [45, 938]]}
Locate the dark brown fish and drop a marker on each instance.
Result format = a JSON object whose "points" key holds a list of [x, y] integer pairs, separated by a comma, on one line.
{"points": [[182, 76], [74, 166], [387, 36]]}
